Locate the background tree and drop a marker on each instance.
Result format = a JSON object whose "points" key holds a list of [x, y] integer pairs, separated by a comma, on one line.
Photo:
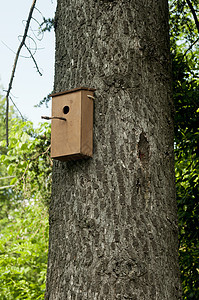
{"points": [[113, 229]]}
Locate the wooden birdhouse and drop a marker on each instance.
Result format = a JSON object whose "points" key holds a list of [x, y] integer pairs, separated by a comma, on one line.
{"points": [[72, 124]]}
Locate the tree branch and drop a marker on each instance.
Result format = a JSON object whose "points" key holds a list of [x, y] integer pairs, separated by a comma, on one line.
{"points": [[17, 108], [6, 187], [190, 47], [15, 65], [193, 13], [31, 55]]}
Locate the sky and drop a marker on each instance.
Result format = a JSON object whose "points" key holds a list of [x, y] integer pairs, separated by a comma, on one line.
{"points": [[28, 86]]}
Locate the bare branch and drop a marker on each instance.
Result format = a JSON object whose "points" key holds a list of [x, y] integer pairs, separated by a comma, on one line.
{"points": [[15, 64], [36, 65], [2, 178], [191, 46], [34, 48], [194, 14], [6, 187], [16, 108], [23, 56]]}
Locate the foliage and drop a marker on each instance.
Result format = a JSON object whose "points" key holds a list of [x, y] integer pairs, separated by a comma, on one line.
{"points": [[45, 101], [23, 209], [23, 252], [182, 25], [6, 194], [185, 55], [28, 160], [47, 24]]}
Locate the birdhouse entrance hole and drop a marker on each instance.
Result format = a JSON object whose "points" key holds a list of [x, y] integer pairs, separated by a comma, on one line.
{"points": [[66, 109]]}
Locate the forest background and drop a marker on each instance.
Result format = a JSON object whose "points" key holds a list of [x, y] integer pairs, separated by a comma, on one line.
{"points": [[26, 168]]}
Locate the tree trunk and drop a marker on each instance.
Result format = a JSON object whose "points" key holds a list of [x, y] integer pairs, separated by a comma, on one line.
{"points": [[113, 224]]}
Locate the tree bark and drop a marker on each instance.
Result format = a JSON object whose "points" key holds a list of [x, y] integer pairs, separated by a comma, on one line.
{"points": [[113, 223]]}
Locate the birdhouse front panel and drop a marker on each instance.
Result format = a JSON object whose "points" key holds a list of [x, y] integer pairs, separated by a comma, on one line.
{"points": [[72, 124]]}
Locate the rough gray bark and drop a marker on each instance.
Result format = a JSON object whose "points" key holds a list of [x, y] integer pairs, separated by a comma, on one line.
{"points": [[113, 229]]}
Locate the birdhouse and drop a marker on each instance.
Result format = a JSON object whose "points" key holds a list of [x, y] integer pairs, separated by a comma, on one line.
{"points": [[72, 124]]}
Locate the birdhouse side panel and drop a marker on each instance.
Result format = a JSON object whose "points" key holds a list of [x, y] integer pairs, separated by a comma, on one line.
{"points": [[87, 124]]}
